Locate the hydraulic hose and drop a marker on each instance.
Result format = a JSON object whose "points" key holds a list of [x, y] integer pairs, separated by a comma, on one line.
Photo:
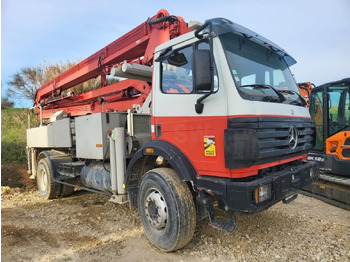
{"points": [[171, 19]]}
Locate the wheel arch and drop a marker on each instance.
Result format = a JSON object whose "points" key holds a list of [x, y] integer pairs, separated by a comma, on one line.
{"points": [[54, 158], [144, 160]]}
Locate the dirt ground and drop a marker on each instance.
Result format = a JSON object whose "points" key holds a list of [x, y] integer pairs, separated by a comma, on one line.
{"points": [[86, 227]]}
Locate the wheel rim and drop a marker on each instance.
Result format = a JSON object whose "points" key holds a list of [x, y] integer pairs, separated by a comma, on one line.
{"points": [[42, 179], [156, 209]]}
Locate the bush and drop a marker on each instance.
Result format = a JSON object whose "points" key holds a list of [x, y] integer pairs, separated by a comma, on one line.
{"points": [[6, 103], [13, 135]]}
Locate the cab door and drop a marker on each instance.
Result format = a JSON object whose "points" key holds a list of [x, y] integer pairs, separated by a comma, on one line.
{"points": [[198, 135]]}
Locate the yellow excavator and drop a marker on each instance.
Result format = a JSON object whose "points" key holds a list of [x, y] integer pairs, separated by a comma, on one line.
{"points": [[329, 106], [305, 91]]}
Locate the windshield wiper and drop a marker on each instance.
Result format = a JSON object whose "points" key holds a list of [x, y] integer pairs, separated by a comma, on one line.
{"points": [[280, 95], [302, 101]]}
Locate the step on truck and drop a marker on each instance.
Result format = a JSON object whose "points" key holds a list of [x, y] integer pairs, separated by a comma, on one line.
{"points": [[205, 117]]}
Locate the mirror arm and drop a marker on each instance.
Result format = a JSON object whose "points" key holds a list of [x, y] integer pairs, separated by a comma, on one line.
{"points": [[201, 28], [199, 106], [165, 54]]}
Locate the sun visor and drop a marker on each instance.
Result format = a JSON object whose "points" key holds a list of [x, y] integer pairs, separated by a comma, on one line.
{"points": [[223, 25]]}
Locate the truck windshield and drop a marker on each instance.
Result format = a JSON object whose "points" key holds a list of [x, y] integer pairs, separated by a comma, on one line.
{"points": [[256, 69]]}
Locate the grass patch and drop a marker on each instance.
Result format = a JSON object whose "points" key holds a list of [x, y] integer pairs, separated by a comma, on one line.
{"points": [[14, 123]]}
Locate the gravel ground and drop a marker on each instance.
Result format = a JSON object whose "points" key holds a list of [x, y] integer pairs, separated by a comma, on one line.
{"points": [[86, 227]]}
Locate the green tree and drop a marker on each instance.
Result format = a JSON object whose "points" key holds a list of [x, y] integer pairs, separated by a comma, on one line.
{"points": [[26, 82], [6, 103]]}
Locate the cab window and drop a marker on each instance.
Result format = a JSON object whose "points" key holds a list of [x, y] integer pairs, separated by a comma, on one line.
{"points": [[177, 77], [177, 72]]}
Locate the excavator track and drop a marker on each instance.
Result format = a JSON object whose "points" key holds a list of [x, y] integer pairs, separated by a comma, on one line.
{"points": [[332, 189]]}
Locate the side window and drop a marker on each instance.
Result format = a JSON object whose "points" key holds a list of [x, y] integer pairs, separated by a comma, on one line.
{"points": [[205, 46], [316, 112], [338, 108], [177, 72]]}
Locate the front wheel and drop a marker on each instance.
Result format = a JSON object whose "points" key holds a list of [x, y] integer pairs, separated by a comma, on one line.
{"points": [[166, 209]]}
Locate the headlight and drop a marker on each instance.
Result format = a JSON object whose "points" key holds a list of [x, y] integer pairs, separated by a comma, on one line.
{"points": [[262, 193]]}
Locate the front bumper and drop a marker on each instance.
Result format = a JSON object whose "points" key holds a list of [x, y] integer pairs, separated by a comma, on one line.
{"points": [[239, 196]]}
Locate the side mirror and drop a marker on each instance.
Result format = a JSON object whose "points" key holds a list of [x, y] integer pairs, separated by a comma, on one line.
{"points": [[203, 72]]}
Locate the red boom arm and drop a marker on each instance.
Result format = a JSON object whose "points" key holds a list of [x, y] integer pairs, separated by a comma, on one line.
{"points": [[137, 45]]}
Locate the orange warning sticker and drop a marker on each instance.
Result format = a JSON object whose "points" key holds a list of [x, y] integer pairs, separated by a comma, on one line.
{"points": [[209, 146]]}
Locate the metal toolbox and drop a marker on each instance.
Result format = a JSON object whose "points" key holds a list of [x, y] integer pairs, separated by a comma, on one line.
{"points": [[91, 133]]}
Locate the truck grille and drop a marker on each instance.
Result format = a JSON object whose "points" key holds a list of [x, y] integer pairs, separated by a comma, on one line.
{"points": [[274, 138], [272, 141]]}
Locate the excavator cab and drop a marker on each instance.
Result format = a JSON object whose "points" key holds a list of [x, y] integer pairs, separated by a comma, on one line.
{"points": [[330, 111]]}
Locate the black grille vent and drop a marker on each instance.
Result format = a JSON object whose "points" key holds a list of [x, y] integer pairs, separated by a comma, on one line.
{"points": [[273, 136], [347, 141], [346, 152]]}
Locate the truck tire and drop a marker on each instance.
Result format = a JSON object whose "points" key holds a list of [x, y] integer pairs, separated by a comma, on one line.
{"points": [[166, 209], [47, 188], [68, 190]]}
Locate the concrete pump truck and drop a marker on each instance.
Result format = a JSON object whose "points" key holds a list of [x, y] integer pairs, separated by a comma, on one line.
{"points": [[206, 114]]}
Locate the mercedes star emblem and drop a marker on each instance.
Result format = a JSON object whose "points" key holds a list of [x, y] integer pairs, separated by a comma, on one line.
{"points": [[293, 137]]}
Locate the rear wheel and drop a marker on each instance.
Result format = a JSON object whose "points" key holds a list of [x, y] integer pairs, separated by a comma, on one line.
{"points": [[166, 209], [48, 189], [68, 190]]}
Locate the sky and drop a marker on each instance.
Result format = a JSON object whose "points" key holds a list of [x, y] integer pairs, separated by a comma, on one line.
{"points": [[315, 32]]}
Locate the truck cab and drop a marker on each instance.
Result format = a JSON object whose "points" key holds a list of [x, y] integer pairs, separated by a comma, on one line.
{"points": [[253, 130]]}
